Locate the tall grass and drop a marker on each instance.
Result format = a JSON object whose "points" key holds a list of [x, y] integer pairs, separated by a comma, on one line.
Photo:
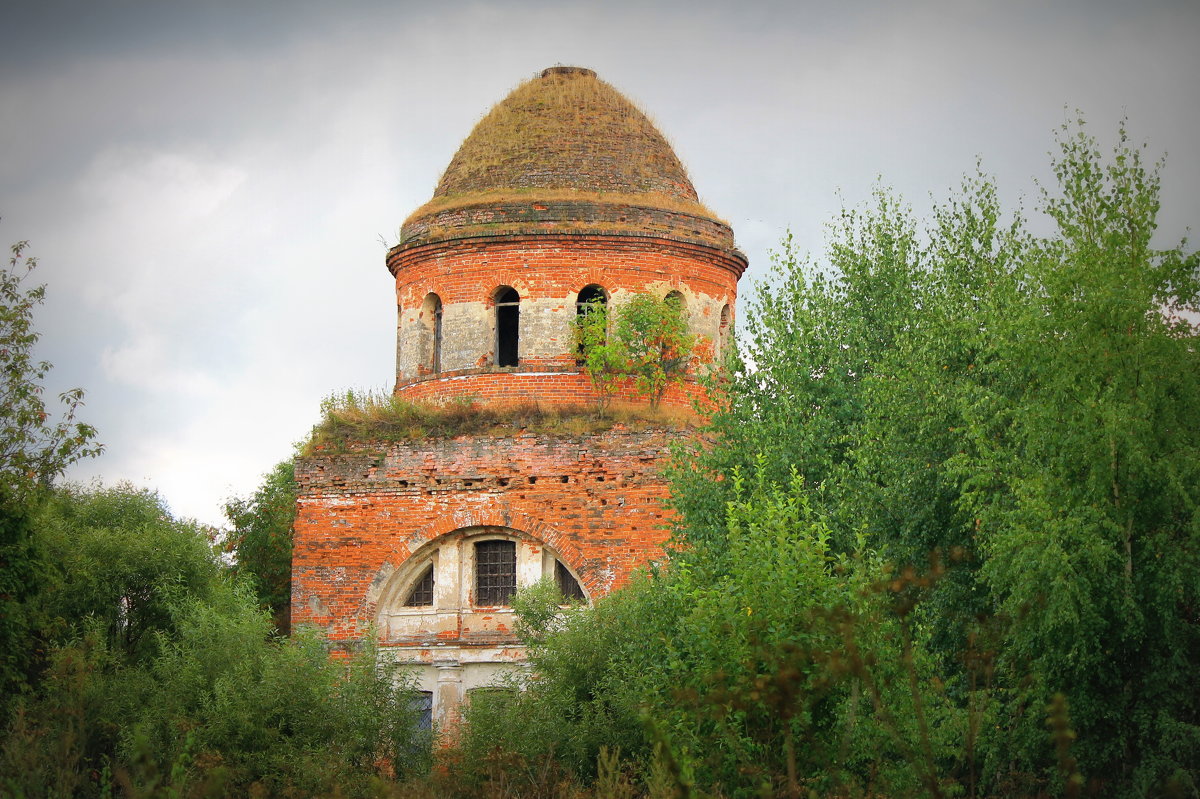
{"points": [[354, 417]]}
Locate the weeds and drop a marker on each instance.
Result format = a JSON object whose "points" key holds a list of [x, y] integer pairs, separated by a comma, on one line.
{"points": [[376, 416], [499, 196]]}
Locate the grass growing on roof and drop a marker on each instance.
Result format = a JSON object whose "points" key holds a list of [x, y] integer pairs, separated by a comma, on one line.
{"points": [[355, 417], [494, 196], [566, 131]]}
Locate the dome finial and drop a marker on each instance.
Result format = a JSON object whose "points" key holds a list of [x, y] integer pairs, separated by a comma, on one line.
{"points": [[559, 69]]}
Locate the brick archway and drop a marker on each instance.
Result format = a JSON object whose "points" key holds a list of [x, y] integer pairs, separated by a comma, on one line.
{"points": [[520, 524], [463, 518]]}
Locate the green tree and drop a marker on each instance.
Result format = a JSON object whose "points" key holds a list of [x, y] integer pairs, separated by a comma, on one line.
{"points": [[1030, 400], [1025, 405], [261, 540], [116, 562], [650, 345], [165, 678], [34, 450], [1091, 535], [654, 339], [602, 359]]}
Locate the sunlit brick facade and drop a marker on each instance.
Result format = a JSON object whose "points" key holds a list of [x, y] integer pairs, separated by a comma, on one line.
{"points": [[563, 193]]}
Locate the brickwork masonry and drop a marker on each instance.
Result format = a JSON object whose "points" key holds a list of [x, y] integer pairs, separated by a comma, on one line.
{"points": [[596, 501]]}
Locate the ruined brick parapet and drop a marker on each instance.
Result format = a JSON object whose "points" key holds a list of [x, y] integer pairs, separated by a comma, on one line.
{"points": [[538, 385]]}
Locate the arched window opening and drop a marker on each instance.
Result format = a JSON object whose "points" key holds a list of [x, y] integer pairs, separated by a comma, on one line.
{"points": [[421, 594], [508, 325], [724, 330], [590, 298], [676, 299], [495, 572], [591, 321], [568, 586], [399, 340], [431, 318]]}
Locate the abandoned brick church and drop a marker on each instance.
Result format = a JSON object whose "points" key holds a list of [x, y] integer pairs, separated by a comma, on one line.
{"points": [[563, 193]]}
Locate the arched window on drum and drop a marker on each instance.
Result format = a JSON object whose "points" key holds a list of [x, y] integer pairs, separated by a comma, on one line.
{"points": [[431, 335], [591, 306], [508, 326]]}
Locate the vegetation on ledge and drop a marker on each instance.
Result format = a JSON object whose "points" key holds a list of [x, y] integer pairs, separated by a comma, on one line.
{"points": [[501, 196], [378, 416]]}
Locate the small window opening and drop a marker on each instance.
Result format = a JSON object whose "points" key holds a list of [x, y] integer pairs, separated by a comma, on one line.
{"points": [[422, 707], [723, 331], [431, 318], [422, 593], [508, 326], [567, 584], [490, 696], [592, 299], [676, 299], [495, 572]]}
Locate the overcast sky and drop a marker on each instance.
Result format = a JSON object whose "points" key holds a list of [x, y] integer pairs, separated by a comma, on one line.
{"points": [[211, 186]]}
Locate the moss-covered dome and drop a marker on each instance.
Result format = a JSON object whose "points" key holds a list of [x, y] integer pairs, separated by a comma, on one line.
{"points": [[565, 152]]}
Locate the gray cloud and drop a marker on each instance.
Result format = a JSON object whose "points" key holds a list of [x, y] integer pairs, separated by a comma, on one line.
{"points": [[207, 183]]}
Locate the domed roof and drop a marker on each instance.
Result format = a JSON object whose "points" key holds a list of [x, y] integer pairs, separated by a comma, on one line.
{"points": [[566, 130], [564, 152]]}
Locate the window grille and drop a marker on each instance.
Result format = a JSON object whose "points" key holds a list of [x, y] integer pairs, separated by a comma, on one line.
{"points": [[422, 707], [567, 584], [422, 592], [495, 572]]}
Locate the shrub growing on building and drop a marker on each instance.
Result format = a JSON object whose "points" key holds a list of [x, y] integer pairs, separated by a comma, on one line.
{"points": [[646, 342]]}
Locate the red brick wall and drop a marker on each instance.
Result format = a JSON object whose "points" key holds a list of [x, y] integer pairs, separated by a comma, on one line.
{"points": [[595, 499], [556, 268], [530, 385], [467, 270]]}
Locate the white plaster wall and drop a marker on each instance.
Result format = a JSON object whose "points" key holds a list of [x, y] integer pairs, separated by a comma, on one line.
{"points": [[469, 329]]}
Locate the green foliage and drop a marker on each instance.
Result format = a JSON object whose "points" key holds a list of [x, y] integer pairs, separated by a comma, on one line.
{"points": [[1025, 406], [1031, 400], [1092, 539], [784, 666], [116, 564], [587, 695], [603, 360], [355, 418], [163, 677], [540, 608], [33, 450], [653, 338], [650, 345], [261, 540]]}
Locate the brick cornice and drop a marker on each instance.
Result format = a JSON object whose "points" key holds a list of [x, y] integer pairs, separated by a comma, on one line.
{"points": [[403, 256]]}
